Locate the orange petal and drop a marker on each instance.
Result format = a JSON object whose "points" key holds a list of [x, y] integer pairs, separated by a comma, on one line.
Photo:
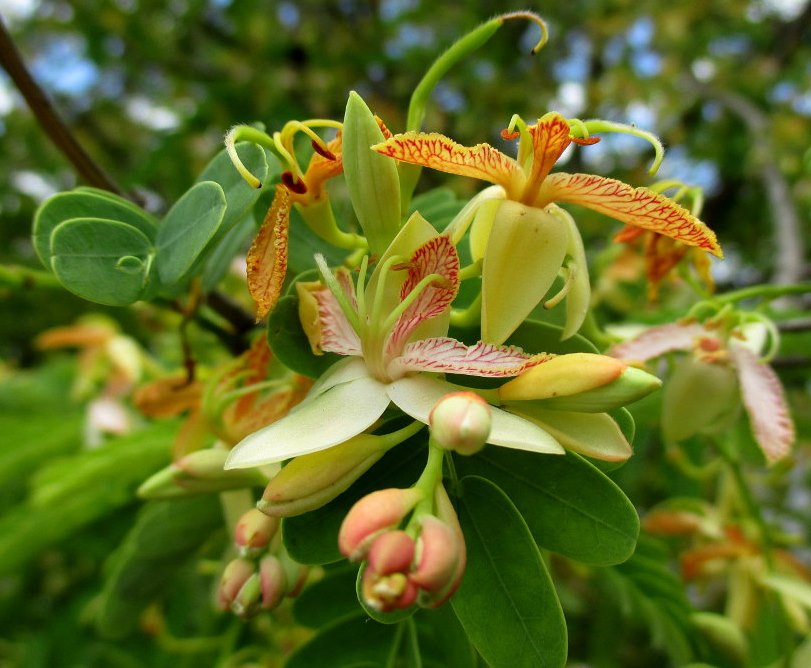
{"points": [[628, 234], [267, 257], [439, 152], [634, 206], [167, 397], [550, 138]]}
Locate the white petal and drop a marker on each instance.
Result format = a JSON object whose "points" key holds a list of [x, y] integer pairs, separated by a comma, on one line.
{"points": [[342, 371], [333, 417], [592, 434], [417, 395], [657, 341], [765, 403]]}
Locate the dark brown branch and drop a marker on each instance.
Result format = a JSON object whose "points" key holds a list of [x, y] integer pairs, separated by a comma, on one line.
{"points": [[47, 116]]}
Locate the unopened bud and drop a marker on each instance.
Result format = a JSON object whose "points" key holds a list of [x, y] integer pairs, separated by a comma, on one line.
{"points": [[374, 513], [391, 552], [310, 481], [199, 472], [438, 552], [461, 421], [273, 581], [233, 578], [254, 530], [248, 600], [724, 635]]}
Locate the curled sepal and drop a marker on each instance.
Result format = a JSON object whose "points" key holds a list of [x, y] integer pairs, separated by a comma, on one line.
{"points": [[525, 251], [267, 256], [372, 179], [765, 403]]}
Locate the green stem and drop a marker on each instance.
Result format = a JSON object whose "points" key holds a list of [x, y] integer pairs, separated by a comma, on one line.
{"points": [[744, 493], [318, 216], [592, 331], [767, 292], [16, 277]]}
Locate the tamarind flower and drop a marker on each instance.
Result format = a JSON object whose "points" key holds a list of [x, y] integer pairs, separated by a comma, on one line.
{"points": [[523, 237]]}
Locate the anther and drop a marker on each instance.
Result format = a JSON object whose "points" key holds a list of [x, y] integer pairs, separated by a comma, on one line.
{"points": [[293, 184], [323, 151]]}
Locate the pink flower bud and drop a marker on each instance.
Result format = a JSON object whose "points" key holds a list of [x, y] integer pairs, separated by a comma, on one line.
{"points": [[254, 530], [236, 573], [438, 553], [373, 514], [273, 581], [391, 552], [461, 421], [385, 593], [447, 515]]}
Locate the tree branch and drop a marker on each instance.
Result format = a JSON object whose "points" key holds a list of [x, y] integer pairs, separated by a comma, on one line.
{"points": [[48, 117]]}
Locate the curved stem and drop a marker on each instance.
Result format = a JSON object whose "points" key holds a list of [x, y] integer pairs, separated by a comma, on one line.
{"points": [[767, 292]]}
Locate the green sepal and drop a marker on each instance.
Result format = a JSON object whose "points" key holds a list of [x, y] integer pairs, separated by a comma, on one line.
{"points": [[371, 178]]}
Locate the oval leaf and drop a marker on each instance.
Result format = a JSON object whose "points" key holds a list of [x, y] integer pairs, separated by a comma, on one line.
{"points": [[187, 229], [103, 261], [85, 203], [507, 602], [569, 506]]}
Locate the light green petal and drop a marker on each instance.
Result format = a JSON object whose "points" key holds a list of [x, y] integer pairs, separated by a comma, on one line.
{"points": [[482, 227], [331, 418], [579, 298], [592, 434], [524, 254], [417, 395], [341, 372], [459, 225]]}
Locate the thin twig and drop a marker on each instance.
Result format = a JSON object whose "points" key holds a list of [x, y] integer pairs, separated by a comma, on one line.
{"points": [[48, 117]]}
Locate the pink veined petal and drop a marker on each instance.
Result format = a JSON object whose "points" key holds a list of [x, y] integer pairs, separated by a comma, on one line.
{"points": [[658, 341], [765, 403], [447, 355], [337, 335], [634, 206], [435, 256]]}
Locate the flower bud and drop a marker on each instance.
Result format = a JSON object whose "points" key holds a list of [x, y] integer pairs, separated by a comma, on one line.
{"points": [[461, 421], [385, 593], [235, 575], [248, 600], [438, 553], [310, 481], [374, 513], [199, 472], [391, 552], [254, 530], [447, 515], [273, 581]]}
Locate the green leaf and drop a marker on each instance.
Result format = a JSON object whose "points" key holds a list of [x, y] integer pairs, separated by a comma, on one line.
{"points": [[289, 343], [438, 206], [75, 491], [103, 261], [85, 203], [540, 337], [330, 598], [569, 506], [187, 229], [239, 196], [354, 642], [164, 538], [506, 602], [312, 538], [222, 255], [443, 639]]}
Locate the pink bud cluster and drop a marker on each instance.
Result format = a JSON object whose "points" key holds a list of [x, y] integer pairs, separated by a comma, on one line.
{"points": [[263, 574], [421, 565]]}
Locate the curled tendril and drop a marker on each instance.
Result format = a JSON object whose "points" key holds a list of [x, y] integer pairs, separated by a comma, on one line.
{"points": [[695, 193], [595, 125], [534, 18], [772, 334]]}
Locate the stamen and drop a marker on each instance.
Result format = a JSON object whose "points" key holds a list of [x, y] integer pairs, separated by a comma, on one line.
{"points": [[569, 272], [381, 282], [335, 288], [508, 135], [596, 125], [248, 133], [321, 148], [293, 184], [360, 292], [430, 279]]}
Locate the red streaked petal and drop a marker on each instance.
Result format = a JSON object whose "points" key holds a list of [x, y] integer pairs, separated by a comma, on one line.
{"points": [[447, 355], [550, 138], [436, 256], [267, 257], [440, 152], [765, 403], [634, 206], [658, 341]]}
